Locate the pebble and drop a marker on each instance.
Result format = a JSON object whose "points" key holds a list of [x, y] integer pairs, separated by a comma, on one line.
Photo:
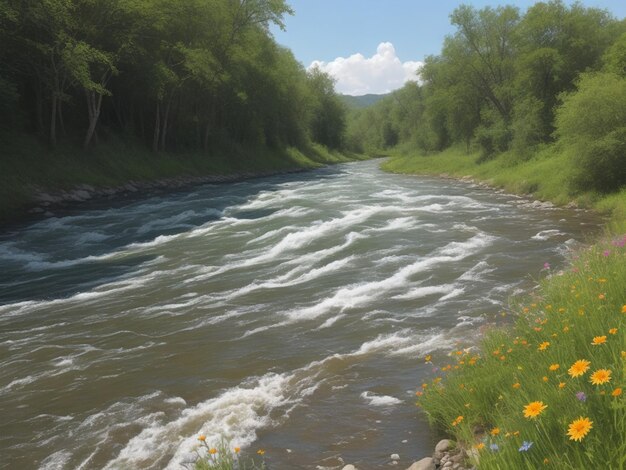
{"points": [[395, 457]]}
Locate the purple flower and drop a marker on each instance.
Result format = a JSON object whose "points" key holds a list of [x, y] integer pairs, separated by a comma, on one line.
{"points": [[606, 252], [525, 446], [546, 265], [581, 396], [494, 447]]}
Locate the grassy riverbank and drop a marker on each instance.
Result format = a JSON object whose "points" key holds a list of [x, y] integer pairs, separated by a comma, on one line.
{"points": [[546, 176], [547, 391], [29, 167]]}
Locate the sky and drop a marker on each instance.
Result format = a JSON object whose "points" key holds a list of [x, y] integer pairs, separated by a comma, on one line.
{"points": [[375, 46]]}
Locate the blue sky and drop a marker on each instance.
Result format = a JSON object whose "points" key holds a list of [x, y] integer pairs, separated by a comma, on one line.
{"points": [[324, 30]]}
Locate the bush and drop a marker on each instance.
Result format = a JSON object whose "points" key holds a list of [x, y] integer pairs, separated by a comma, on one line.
{"points": [[590, 124]]}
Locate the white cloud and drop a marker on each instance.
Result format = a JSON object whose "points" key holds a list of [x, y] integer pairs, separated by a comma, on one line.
{"points": [[359, 75]]}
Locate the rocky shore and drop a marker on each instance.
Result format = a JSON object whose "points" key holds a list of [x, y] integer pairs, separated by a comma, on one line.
{"points": [[447, 455], [46, 201]]}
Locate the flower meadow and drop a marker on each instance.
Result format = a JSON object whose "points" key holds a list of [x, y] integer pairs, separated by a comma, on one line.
{"points": [[222, 457], [547, 392]]}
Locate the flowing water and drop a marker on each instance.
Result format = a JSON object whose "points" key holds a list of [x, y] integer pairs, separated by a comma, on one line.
{"points": [[289, 313]]}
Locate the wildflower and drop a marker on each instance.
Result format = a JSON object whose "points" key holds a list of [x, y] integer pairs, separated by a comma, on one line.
{"points": [[457, 421], [554, 367], [581, 396], [623, 308], [212, 451], [606, 253], [561, 384], [546, 461], [526, 445], [601, 376], [419, 394], [579, 429], [579, 368], [479, 446], [261, 452], [601, 297], [544, 378], [237, 450], [543, 346], [494, 447], [613, 331], [495, 431], [546, 265], [565, 329], [202, 437], [617, 392], [427, 358], [517, 385], [534, 409]]}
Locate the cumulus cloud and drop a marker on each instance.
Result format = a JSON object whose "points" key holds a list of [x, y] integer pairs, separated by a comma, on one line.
{"points": [[381, 73]]}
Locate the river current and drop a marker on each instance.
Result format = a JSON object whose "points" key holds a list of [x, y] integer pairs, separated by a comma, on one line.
{"points": [[289, 313]]}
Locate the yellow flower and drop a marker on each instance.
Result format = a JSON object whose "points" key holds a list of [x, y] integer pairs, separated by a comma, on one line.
{"points": [[617, 392], [554, 367], [597, 340], [517, 385], [427, 358], [544, 378], [237, 449], [561, 384], [579, 368], [495, 431], [623, 308], [565, 329], [534, 409], [212, 451], [579, 429], [613, 331], [601, 376], [546, 461], [479, 446], [202, 437], [457, 421], [543, 346], [260, 452]]}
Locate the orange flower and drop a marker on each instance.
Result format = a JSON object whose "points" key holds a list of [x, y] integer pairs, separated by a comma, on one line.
{"points": [[579, 428], [601, 296], [543, 346], [561, 384], [479, 446], [237, 449], [544, 378], [623, 308], [597, 340], [554, 367], [601, 376], [617, 392], [495, 431], [202, 437], [613, 331], [517, 385], [579, 368], [457, 421], [534, 409]]}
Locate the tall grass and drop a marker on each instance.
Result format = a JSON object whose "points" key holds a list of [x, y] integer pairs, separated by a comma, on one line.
{"points": [[517, 396]]}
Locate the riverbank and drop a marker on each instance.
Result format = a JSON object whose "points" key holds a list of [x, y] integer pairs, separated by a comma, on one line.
{"points": [[568, 410], [544, 176], [36, 180]]}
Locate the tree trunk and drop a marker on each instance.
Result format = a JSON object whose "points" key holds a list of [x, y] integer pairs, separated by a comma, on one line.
{"points": [[53, 121], [61, 120], [93, 109], [157, 128], [165, 123], [41, 128]]}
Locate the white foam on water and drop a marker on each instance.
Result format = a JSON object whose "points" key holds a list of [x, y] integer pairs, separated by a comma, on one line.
{"points": [[397, 225], [547, 234], [476, 272], [379, 400], [424, 291], [59, 459], [454, 293]]}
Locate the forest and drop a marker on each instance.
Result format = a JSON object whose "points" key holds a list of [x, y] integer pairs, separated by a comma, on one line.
{"points": [[514, 85], [178, 75]]}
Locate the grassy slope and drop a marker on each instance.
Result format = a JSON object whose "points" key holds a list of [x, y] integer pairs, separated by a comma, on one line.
{"points": [[26, 164], [480, 396]]}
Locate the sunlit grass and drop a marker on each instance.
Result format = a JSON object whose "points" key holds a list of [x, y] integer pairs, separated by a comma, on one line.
{"points": [[549, 391]]}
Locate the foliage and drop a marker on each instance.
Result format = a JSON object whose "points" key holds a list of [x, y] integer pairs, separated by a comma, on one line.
{"points": [[591, 124], [548, 393]]}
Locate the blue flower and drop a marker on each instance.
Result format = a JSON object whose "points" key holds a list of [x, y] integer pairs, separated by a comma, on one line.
{"points": [[494, 447], [525, 446], [581, 396]]}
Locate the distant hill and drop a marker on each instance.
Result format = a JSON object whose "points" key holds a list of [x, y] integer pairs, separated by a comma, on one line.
{"points": [[363, 101]]}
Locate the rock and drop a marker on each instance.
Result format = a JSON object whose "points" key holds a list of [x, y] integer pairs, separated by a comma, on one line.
{"points": [[349, 467], [448, 464], [395, 457], [426, 463], [36, 210], [444, 445], [48, 214], [473, 454]]}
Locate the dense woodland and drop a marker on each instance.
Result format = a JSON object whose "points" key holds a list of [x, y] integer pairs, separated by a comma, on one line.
{"points": [[511, 83], [181, 75]]}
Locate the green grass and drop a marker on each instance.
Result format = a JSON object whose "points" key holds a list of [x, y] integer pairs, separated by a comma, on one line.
{"points": [[27, 164], [489, 386]]}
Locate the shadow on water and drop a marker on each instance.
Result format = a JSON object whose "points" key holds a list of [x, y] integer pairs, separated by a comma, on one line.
{"points": [[64, 255]]}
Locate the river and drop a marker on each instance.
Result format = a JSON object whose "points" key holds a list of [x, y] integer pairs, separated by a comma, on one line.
{"points": [[289, 313]]}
